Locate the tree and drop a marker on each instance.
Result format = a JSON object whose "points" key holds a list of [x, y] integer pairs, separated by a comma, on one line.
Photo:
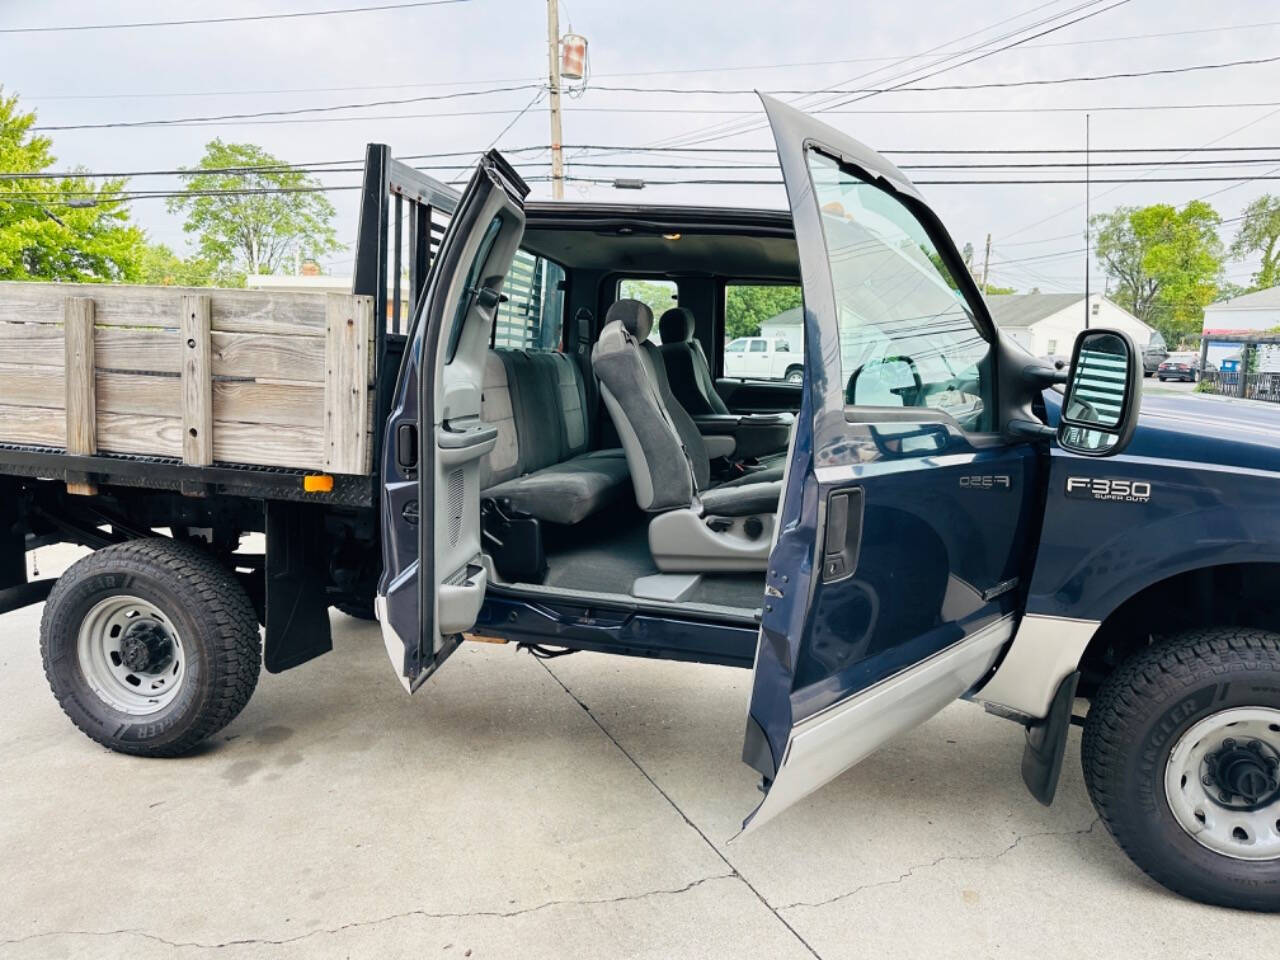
{"points": [[1260, 233], [658, 295], [1165, 262], [255, 232], [70, 229], [747, 306], [161, 267]]}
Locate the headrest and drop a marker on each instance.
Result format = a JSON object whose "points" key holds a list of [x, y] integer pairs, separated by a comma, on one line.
{"points": [[636, 318], [676, 325]]}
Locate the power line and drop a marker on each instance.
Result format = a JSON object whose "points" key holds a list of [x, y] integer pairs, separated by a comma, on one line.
{"points": [[990, 85], [213, 20], [354, 166], [291, 112]]}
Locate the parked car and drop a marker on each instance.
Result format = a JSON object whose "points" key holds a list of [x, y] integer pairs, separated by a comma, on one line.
{"points": [[763, 358], [1180, 366], [1154, 353]]}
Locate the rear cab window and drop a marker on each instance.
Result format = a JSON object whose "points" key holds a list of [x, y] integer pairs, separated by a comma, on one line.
{"points": [[531, 317], [763, 331]]}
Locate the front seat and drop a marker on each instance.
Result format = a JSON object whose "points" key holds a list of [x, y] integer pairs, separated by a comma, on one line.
{"points": [[686, 364], [697, 527]]}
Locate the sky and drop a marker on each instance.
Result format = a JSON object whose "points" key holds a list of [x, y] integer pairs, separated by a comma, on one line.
{"points": [[102, 76]]}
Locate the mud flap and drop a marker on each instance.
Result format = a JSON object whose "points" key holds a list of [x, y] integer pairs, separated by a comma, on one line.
{"points": [[1047, 742], [297, 605]]}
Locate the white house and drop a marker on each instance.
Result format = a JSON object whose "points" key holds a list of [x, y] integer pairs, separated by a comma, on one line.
{"points": [[1047, 323], [1255, 312]]}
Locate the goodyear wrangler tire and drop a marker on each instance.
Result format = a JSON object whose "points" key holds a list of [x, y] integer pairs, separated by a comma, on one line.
{"points": [[1181, 756], [150, 646]]}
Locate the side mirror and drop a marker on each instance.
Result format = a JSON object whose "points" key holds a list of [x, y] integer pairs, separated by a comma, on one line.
{"points": [[1104, 391]]}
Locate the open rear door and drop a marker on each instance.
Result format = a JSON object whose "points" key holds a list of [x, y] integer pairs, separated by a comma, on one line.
{"points": [[433, 582], [892, 587]]}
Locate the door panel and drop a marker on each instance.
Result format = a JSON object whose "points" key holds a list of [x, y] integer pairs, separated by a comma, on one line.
{"points": [[893, 584], [748, 396], [433, 582]]}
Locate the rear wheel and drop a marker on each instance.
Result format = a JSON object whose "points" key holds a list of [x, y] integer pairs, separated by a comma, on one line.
{"points": [[795, 375], [1181, 755], [150, 646]]}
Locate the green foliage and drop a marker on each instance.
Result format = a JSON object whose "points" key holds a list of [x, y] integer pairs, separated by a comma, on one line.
{"points": [[73, 229], [1260, 233], [254, 232], [161, 267], [1165, 262], [746, 306], [994, 291]]}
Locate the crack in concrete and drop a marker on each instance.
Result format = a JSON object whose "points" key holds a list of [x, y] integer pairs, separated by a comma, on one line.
{"points": [[683, 816], [359, 924], [919, 867]]}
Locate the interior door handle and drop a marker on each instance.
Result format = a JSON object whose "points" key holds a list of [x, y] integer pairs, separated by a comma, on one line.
{"points": [[843, 534]]}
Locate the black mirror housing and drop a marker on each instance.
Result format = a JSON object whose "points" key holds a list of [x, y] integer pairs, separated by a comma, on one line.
{"points": [[1103, 394]]}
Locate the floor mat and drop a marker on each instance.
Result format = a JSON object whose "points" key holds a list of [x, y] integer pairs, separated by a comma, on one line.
{"points": [[581, 562]]}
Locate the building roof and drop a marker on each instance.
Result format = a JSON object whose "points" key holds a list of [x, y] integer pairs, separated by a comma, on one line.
{"points": [[1024, 309], [1268, 299]]}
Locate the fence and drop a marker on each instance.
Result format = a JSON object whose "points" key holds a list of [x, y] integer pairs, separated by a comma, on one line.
{"points": [[1234, 383]]}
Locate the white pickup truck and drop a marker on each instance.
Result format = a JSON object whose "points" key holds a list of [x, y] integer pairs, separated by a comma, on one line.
{"points": [[763, 358]]}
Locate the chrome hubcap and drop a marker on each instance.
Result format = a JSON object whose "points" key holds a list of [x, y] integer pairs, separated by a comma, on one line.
{"points": [[130, 655], [1223, 783]]}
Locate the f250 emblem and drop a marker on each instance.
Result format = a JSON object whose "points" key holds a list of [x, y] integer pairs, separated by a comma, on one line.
{"points": [[1102, 488], [990, 481]]}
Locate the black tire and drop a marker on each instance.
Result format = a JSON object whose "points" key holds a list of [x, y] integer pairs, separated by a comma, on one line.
{"points": [[1134, 723], [208, 609], [794, 375]]}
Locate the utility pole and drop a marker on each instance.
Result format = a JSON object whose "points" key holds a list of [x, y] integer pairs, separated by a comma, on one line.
{"points": [[986, 263], [553, 57], [1086, 221]]}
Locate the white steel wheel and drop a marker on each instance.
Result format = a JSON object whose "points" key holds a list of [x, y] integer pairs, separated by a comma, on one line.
{"points": [[131, 655], [1222, 782]]}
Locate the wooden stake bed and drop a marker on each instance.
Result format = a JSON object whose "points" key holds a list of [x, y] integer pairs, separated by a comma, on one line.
{"points": [[206, 376]]}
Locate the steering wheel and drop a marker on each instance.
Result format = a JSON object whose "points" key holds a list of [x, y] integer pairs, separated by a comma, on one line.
{"points": [[910, 396]]}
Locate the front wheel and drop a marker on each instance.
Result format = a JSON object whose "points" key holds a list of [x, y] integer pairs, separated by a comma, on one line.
{"points": [[795, 375], [150, 646], [1181, 755]]}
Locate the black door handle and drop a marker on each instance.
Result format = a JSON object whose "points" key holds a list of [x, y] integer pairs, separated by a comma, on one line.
{"points": [[407, 446], [843, 534]]}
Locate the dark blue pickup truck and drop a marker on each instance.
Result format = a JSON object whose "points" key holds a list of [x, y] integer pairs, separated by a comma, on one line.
{"points": [[931, 513]]}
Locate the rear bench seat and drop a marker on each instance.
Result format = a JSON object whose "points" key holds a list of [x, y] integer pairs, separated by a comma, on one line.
{"points": [[542, 462]]}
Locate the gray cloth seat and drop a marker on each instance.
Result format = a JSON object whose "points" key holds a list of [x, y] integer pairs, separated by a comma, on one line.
{"points": [[686, 364], [542, 463], [669, 465]]}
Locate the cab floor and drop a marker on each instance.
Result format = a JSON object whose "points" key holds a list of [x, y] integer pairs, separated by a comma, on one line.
{"points": [[610, 562]]}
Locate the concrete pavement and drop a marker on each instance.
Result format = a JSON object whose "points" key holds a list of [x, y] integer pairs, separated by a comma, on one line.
{"points": [[519, 809]]}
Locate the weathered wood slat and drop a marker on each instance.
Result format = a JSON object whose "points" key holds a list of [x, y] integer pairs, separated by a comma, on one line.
{"points": [[348, 349], [31, 386], [286, 405], [38, 426], [233, 311], [232, 442], [78, 380], [197, 381]]}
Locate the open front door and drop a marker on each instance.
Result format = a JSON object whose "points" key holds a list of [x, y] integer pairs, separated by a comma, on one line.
{"points": [[433, 582], [893, 585]]}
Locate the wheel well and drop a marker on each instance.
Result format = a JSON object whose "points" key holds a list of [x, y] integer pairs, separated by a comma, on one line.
{"points": [[1237, 594], [792, 367]]}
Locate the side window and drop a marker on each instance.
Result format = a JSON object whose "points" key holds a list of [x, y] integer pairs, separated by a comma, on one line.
{"points": [[659, 295], [907, 336], [533, 315], [773, 311]]}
